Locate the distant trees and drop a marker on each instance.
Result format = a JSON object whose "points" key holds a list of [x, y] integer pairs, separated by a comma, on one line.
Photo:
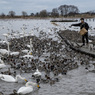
{"points": [[11, 13], [90, 12], [63, 10]]}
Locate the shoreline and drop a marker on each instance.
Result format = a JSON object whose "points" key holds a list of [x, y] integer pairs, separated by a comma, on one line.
{"points": [[46, 17], [73, 40]]}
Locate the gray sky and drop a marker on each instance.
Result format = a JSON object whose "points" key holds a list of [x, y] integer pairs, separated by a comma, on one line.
{"points": [[37, 5]]}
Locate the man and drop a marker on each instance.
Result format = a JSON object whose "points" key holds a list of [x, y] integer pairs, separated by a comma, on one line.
{"points": [[83, 25]]}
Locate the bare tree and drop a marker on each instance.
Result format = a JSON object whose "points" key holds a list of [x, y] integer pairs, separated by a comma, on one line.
{"points": [[11, 13], [49, 14], [32, 14], [55, 12], [43, 13], [24, 14], [66, 9], [37, 14], [3, 15], [61, 10]]}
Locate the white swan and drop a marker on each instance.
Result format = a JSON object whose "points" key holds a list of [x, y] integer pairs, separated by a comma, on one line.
{"points": [[28, 88], [37, 73], [4, 51], [14, 53], [9, 78], [3, 42], [25, 51], [25, 90], [2, 65]]}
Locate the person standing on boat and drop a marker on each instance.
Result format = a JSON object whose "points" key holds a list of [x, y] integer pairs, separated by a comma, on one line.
{"points": [[86, 26]]}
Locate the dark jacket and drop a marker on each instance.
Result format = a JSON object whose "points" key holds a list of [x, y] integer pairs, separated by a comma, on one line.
{"points": [[82, 25]]}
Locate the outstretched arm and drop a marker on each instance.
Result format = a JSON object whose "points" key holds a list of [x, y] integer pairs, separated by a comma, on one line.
{"points": [[76, 24]]}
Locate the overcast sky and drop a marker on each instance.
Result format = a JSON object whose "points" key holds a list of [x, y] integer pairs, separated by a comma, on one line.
{"points": [[37, 5]]}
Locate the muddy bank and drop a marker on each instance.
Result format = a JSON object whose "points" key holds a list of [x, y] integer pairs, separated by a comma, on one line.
{"points": [[71, 40], [74, 36]]}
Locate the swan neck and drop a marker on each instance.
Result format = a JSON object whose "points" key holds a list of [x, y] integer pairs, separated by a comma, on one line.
{"points": [[28, 84], [18, 76]]}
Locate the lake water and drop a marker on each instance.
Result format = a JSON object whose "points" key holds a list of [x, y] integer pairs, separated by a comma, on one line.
{"points": [[16, 25], [76, 82]]}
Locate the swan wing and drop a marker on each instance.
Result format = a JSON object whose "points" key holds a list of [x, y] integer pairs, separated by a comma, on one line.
{"points": [[3, 51], [25, 90], [2, 66], [8, 78], [37, 73], [14, 53]]}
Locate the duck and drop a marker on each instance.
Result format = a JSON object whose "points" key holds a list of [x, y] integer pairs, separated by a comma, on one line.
{"points": [[28, 88], [9, 78], [37, 73]]}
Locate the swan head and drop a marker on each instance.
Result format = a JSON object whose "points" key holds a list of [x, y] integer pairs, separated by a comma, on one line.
{"points": [[38, 86], [26, 80]]}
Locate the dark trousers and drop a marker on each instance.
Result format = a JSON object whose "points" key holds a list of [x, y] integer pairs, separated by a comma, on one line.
{"points": [[85, 37]]}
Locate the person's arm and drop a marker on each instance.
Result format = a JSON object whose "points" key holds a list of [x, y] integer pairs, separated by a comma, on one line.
{"points": [[76, 24]]}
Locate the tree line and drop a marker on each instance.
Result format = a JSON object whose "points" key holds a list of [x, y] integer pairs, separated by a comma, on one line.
{"points": [[63, 10]]}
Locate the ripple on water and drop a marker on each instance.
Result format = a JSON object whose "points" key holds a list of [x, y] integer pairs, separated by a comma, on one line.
{"points": [[76, 82]]}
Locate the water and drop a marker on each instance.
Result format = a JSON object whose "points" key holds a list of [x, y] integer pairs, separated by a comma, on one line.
{"points": [[7, 26], [76, 82], [16, 25]]}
